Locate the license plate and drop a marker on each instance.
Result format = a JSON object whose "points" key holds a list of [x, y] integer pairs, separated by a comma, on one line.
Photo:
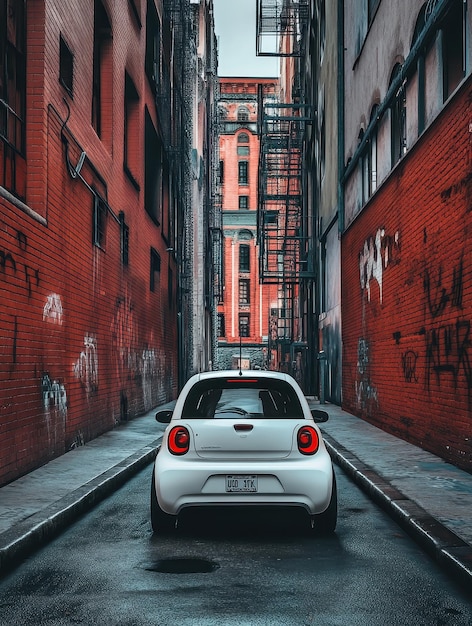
{"points": [[241, 483]]}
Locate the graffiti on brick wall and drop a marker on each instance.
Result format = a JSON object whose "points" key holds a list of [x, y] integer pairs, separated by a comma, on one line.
{"points": [[135, 361], [447, 344], [150, 368], [124, 332], [366, 393], [448, 352], [438, 294], [55, 411], [378, 252], [11, 266], [52, 311], [54, 394], [409, 361], [86, 366]]}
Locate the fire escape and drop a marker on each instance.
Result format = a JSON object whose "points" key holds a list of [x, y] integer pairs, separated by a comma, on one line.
{"points": [[282, 231]]}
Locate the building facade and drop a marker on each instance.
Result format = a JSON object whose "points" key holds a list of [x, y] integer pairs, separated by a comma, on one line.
{"points": [[98, 105], [386, 183], [406, 268], [245, 305]]}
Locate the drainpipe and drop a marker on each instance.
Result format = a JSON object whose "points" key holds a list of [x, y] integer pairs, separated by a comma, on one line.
{"points": [[340, 95]]}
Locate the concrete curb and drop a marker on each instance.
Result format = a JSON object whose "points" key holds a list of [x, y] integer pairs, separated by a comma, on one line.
{"points": [[449, 550], [30, 534]]}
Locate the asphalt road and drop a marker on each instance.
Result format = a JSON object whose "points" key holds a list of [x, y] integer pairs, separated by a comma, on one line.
{"points": [[231, 570]]}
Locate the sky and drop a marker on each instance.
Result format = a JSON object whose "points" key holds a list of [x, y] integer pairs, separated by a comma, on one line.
{"points": [[235, 26]]}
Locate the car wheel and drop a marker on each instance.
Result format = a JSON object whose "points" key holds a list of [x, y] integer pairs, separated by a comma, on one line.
{"points": [[160, 520], [325, 523]]}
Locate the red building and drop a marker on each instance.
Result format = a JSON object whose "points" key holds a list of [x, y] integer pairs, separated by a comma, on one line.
{"points": [[92, 194], [407, 339], [244, 310]]}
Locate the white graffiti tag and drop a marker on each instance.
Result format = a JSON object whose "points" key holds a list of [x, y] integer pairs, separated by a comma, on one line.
{"points": [[54, 394], [375, 257], [52, 311], [86, 366]]}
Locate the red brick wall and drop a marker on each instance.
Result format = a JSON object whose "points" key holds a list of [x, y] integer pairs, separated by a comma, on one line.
{"points": [[83, 340], [407, 294]]}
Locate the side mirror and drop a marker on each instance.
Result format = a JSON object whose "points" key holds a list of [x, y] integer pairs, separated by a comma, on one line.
{"points": [[319, 416], [164, 417]]}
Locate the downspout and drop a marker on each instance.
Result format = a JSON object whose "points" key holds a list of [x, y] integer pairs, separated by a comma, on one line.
{"points": [[340, 96]]}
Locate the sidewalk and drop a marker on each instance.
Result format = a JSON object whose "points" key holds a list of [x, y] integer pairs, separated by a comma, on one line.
{"points": [[428, 497]]}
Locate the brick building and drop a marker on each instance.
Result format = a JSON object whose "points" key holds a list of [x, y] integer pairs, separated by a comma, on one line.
{"points": [[406, 263], [245, 303], [95, 192], [386, 178]]}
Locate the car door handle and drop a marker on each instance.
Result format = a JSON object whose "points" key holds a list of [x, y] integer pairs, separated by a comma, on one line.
{"points": [[243, 427]]}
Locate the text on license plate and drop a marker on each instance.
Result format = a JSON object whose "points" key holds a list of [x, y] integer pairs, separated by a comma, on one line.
{"points": [[241, 483]]}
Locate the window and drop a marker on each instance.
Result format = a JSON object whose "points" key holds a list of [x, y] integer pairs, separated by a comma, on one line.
{"points": [[102, 74], [13, 96], [221, 172], [243, 178], [243, 150], [155, 273], [131, 128], [259, 397], [243, 114], [244, 258], [420, 23], [153, 46], [221, 325], [453, 48], [222, 113], [66, 67], [244, 325], [243, 138], [124, 240], [369, 163], [152, 169], [99, 221], [244, 285], [244, 202], [398, 119]]}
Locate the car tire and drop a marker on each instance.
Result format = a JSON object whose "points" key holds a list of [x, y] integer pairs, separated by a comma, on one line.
{"points": [[325, 523], [160, 520]]}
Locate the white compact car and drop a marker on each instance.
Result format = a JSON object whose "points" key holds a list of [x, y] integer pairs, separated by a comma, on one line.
{"points": [[242, 438]]}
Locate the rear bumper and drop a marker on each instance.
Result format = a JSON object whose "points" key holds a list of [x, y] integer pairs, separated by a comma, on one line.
{"points": [[303, 482]]}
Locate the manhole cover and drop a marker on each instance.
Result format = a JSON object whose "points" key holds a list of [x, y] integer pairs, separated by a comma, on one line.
{"points": [[182, 566]]}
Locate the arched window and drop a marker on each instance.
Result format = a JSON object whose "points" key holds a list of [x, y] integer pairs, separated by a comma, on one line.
{"points": [[369, 161], [243, 150], [420, 23], [398, 118], [453, 48], [243, 114]]}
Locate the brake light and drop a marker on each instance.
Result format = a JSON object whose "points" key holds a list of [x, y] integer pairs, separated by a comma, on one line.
{"points": [[308, 440], [178, 440]]}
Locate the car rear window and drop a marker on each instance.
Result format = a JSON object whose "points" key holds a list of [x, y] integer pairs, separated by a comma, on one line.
{"points": [[245, 397]]}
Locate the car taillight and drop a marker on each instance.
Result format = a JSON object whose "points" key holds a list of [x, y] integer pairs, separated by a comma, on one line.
{"points": [[307, 439], [178, 441]]}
